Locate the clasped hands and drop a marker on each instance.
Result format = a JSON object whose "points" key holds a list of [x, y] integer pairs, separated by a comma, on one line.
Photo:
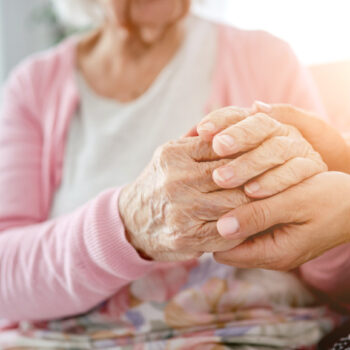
{"points": [[206, 193]]}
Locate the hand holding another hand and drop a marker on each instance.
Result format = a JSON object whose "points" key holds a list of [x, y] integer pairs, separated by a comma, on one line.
{"points": [[270, 156], [311, 216], [170, 211], [299, 225]]}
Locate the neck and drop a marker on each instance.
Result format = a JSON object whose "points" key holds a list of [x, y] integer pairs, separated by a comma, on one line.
{"points": [[118, 45], [117, 64]]}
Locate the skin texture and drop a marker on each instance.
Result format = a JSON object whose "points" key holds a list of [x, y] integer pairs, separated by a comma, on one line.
{"points": [[300, 222], [271, 156], [325, 139], [122, 58], [170, 211]]}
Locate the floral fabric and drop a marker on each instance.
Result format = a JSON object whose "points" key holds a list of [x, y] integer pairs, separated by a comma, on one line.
{"points": [[197, 305]]}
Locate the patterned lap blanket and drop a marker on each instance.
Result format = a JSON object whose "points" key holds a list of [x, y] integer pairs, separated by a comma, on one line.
{"points": [[199, 305]]}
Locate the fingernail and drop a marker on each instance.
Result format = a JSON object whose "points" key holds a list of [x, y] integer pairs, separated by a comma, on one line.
{"points": [[263, 107], [228, 226], [223, 174], [225, 140], [206, 127], [252, 187]]}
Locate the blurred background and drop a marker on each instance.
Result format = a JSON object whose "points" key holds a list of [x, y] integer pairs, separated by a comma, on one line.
{"points": [[318, 31]]}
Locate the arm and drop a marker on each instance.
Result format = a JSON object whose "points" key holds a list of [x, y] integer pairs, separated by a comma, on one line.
{"points": [[329, 272], [65, 266], [60, 267]]}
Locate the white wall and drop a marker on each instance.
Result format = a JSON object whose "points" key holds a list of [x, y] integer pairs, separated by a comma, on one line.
{"points": [[20, 34], [318, 30], [2, 73]]}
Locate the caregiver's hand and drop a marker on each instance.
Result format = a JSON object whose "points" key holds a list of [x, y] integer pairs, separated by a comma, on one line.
{"points": [[275, 155], [170, 212], [312, 217]]}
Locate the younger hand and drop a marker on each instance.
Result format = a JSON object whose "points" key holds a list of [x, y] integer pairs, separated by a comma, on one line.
{"points": [[299, 224], [171, 210]]}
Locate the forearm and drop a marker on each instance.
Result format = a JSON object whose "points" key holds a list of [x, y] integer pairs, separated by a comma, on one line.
{"points": [[68, 265]]}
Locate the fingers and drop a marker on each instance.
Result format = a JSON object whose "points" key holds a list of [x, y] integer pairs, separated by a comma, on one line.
{"points": [[202, 176], [247, 134], [197, 149], [273, 152], [207, 239], [286, 113], [259, 216], [211, 206], [311, 126], [279, 179], [263, 252], [207, 209], [219, 120]]}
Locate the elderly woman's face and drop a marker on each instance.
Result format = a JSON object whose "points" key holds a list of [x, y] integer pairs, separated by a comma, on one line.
{"points": [[148, 17]]}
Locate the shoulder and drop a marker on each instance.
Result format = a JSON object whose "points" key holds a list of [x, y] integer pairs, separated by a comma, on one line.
{"points": [[41, 69], [254, 42], [40, 75]]}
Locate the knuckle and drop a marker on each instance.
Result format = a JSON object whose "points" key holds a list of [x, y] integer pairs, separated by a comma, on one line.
{"points": [[243, 132], [226, 115], [293, 171], [283, 147], [267, 122], [247, 166], [232, 111], [259, 216]]}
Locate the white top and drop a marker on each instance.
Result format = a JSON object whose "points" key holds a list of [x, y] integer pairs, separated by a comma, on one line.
{"points": [[110, 143]]}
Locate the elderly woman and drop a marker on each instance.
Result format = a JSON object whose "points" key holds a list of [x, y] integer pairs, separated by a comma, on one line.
{"points": [[81, 121]]}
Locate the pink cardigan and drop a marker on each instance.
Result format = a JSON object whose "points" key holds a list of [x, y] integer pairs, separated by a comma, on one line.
{"points": [[65, 266]]}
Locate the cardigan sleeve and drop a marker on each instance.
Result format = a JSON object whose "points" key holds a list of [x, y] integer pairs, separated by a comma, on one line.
{"points": [[59, 267]]}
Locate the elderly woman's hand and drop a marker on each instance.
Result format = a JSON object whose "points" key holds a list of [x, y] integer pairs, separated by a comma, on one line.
{"points": [[300, 224], [170, 211], [270, 156]]}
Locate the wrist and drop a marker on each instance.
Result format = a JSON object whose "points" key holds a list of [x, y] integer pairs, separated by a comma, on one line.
{"points": [[128, 211]]}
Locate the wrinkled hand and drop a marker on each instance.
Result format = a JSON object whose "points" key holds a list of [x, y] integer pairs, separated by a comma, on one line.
{"points": [[312, 217], [325, 139], [170, 212], [270, 156]]}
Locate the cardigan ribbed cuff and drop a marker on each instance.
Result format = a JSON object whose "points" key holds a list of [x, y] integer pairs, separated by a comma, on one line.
{"points": [[106, 241]]}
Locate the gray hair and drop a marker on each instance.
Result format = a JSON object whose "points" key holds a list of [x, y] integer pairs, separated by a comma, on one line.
{"points": [[78, 13]]}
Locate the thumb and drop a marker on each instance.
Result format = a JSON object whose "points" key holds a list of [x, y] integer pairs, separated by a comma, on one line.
{"points": [[258, 216], [284, 113]]}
